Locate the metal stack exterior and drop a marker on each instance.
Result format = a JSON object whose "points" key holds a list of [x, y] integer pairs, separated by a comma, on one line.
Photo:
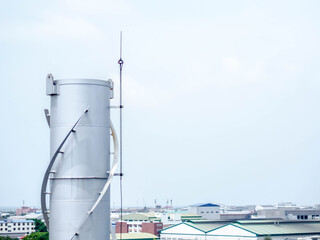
{"points": [[80, 171]]}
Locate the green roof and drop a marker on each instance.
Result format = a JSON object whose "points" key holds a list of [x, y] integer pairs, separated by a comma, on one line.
{"points": [[202, 225], [136, 236], [259, 227], [150, 214], [135, 217], [206, 227], [265, 227], [189, 216]]}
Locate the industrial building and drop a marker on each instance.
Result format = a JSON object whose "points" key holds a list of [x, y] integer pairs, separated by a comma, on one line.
{"points": [[191, 230], [244, 230], [141, 217], [136, 223], [172, 218], [236, 215], [303, 214], [288, 212], [16, 228], [152, 222], [207, 211], [25, 210], [144, 227], [27, 216]]}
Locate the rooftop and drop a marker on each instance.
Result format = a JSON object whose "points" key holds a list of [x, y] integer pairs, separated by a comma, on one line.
{"points": [[258, 227], [15, 221], [128, 236], [204, 205], [140, 217], [204, 225], [264, 228]]}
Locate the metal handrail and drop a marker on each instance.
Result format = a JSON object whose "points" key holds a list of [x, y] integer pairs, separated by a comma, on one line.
{"points": [[111, 174], [46, 175]]}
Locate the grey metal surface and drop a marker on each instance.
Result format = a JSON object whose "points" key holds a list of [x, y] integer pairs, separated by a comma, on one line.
{"points": [[82, 162], [107, 185], [51, 87], [47, 115], [48, 171]]}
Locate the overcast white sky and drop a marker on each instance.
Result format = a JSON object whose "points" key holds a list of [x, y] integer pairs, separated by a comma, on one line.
{"points": [[221, 97]]}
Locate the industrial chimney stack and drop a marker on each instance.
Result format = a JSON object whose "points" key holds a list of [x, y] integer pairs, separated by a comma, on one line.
{"points": [[79, 169]]}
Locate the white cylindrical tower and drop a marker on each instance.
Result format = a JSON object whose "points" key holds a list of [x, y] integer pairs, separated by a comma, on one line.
{"points": [[79, 123]]}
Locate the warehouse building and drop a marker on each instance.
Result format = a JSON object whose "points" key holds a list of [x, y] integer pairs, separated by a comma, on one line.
{"points": [[207, 210], [244, 230], [196, 229]]}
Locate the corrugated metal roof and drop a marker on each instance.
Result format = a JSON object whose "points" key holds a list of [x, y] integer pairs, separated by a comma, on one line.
{"points": [[260, 227], [135, 217], [150, 214], [206, 227], [204, 205], [16, 221], [264, 228]]}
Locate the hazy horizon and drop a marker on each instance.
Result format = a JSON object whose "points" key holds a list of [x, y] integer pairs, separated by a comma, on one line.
{"points": [[113, 207]]}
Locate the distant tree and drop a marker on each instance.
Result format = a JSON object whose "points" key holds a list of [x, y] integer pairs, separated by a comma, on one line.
{"points": [[8, 238], [267, 238], [37, 236], [5, 216], [39, 225]]}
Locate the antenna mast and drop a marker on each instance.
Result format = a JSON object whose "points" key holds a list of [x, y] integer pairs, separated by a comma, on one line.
{"points": [[120, 62]]}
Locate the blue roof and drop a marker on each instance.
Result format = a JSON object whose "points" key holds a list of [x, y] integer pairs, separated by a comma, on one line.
{"points": [[205, 205], [15, 221]]}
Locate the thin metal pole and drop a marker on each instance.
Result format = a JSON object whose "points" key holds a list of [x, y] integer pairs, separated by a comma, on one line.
{"points": [[120, 62]]}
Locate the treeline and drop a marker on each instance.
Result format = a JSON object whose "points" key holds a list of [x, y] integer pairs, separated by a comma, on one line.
{"points": [[41, 231], [9, 238], [37, 236], [32, 236]]}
